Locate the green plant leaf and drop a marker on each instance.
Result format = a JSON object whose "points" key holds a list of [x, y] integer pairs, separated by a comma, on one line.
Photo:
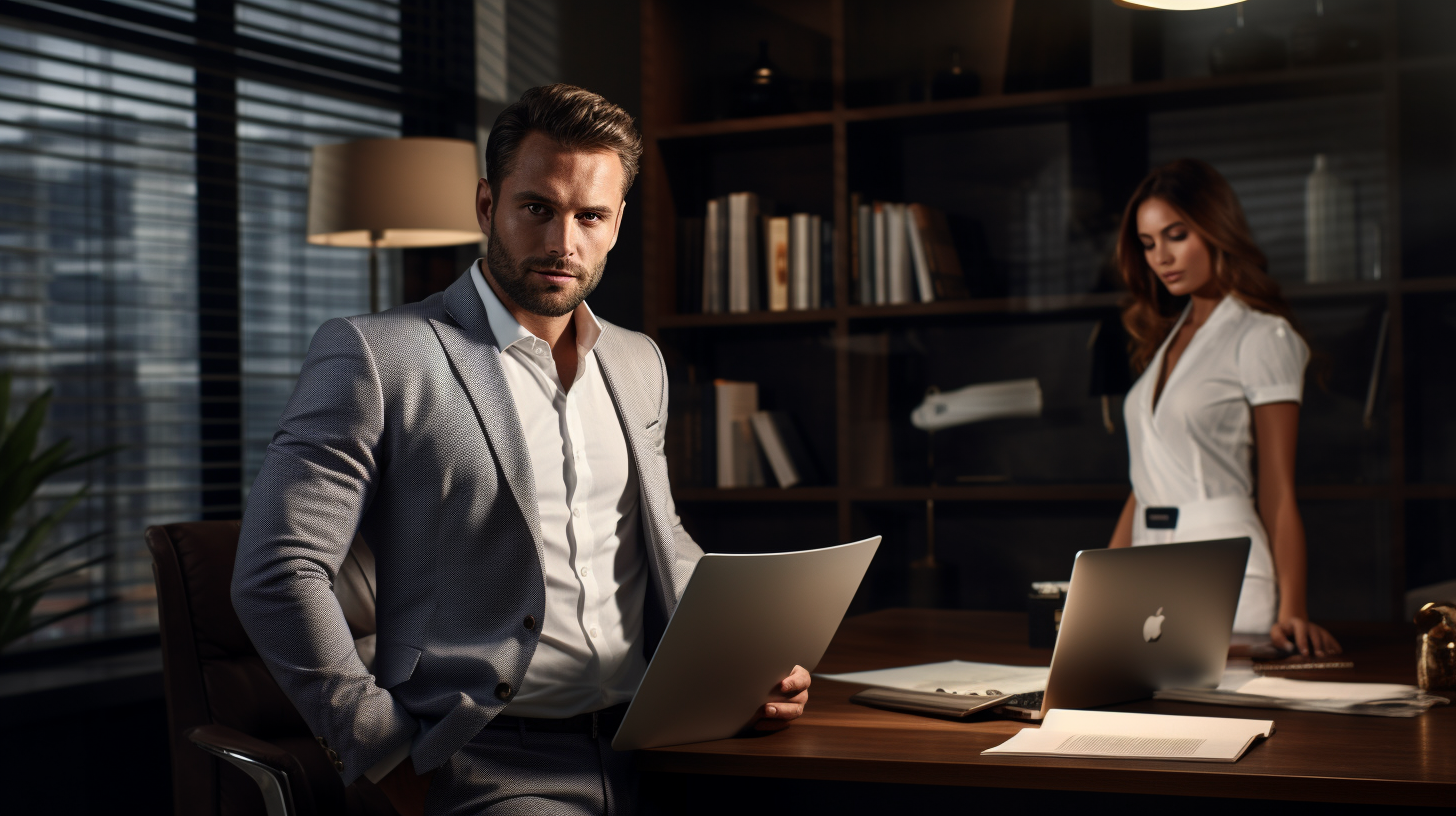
{"points": [[24, 482], [43, 585], [25, 551], [57, 553], [20, 440], [36, 625], [15, 612]]}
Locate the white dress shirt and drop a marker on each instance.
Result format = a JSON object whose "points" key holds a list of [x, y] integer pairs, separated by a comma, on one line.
{"points": [[590, 653], [1194, 449]]}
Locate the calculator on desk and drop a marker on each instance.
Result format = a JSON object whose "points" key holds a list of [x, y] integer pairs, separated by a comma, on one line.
{"points": [[947, 705]]}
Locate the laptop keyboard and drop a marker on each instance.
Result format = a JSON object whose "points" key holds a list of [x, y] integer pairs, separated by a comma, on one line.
{"points": [[1031, 699]]}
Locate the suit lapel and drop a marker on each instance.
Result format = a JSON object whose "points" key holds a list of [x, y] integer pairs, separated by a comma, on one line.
{"points": [[637, 409], [475, 355]]}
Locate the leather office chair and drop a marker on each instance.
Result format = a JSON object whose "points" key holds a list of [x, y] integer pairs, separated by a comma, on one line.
{"points": [[221, 700]]}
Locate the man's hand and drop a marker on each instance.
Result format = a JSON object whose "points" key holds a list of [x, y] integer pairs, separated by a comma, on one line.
{"points": [[786, 702], [1299, 634]]}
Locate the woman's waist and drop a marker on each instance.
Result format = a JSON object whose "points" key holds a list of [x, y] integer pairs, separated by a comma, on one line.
{"points": [[1219, 511]]}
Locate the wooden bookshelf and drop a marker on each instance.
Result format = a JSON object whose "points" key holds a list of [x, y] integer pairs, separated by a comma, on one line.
{"points": [[1364, 493]]}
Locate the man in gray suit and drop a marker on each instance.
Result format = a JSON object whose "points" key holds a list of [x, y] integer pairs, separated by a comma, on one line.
{"points": [[501, 451]]}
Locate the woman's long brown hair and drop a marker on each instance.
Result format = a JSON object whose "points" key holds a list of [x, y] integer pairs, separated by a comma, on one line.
{"points": [[1209, 208]]}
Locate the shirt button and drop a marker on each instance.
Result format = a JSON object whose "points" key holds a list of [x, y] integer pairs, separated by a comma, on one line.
{"points": [[529, 622], [585, 571], [503, 691], [595, 632], [576, 511]]}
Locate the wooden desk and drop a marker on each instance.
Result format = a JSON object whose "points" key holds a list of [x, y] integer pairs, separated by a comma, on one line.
{"points": [[1311, 757]]}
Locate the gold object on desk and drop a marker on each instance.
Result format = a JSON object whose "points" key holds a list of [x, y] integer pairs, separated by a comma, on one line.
{"points": [[1436, 667]]}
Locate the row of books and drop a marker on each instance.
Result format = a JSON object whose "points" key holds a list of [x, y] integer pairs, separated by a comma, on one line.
{"points": [[738, 259], [720, 438], [903, 253]]}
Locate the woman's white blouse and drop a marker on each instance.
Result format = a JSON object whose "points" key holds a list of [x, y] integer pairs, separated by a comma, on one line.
{"points": [[1197, 443]]}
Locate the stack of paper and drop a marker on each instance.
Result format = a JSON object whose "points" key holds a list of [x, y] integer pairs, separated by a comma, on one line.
{"points": [[954, 677], [1116, 735], [1245, 688]]}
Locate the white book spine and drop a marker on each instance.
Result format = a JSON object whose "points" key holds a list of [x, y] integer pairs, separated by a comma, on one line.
{"points": [[737, 455], [897, 253], [866, 216], [712, 257], [918, 259], [882, 264], [774, 450], [742, 252], [816, 262], [801, 246]]}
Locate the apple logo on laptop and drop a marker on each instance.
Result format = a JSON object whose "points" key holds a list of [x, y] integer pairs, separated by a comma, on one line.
{"points": [[1153, 626]]}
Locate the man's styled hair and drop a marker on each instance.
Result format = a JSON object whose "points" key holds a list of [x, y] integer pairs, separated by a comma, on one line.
{"points": [[574, 118]]}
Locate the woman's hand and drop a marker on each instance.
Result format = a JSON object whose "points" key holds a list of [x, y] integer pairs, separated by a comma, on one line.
{"points": [[1294, 633]]}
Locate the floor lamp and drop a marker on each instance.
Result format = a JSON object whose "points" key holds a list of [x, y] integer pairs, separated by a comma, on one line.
{"points": [[387, 193]]}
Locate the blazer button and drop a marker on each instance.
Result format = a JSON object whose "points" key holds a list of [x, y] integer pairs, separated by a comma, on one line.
{"points": [[323, 742], [338, 766], [529, 622], [503, 691], [333, 755]]}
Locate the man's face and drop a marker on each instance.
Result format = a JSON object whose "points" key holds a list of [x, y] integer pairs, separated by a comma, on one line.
{"points": [[557, 215]]}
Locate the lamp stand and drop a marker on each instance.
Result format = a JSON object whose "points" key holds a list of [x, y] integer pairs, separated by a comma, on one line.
{"points": [[375, 236], [933, 583]]}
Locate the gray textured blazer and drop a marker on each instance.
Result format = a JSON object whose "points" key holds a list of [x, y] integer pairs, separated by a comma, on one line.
{"points": [[403, 428]]}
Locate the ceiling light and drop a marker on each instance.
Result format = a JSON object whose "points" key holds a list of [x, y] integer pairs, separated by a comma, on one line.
{"points": [[1177, 5]]}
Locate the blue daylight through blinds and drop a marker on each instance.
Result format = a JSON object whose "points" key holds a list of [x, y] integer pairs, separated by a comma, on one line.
{"points": [[291, 287], [365, 32], [98, 296]]}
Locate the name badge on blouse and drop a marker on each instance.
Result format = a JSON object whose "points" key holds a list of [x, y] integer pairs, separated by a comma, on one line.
{"points": [[1161, 518]]}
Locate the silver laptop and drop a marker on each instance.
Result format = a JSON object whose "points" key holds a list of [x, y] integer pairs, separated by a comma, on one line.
{"points": [[743, 623], [1140, 619]]}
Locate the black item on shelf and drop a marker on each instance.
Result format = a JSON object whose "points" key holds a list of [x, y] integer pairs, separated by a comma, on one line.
{"points": [[955, 82], [763, 90], [1051, 46], [1319, 40], [1241, 49], [1044, 618], [1111, 371], [690, 265]]}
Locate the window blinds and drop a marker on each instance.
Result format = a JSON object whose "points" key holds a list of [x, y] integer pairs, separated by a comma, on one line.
{"points": [[98, 295], [291, 287]]}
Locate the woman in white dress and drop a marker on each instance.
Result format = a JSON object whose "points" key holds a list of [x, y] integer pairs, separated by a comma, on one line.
{"points": [[1222, 378]]}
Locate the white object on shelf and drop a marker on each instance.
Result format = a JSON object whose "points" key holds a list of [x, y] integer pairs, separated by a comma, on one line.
{"points": [[1329, 226], [974, 403]]}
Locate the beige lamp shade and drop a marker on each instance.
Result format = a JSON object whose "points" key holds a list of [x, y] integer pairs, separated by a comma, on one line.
{"points": [[400, 192]]}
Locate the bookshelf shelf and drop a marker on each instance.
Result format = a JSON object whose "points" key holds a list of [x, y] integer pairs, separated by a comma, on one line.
{"points": [[1019, 493], [1295, 81], [756, 318], [849, 374]]}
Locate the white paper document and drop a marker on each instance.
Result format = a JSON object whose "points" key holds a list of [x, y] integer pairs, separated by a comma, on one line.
{"points": [[1116, 735], [953, 676], [1245, 688]]}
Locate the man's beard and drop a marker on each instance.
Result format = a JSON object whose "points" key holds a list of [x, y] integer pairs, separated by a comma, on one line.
{"points": [[530, 292]]}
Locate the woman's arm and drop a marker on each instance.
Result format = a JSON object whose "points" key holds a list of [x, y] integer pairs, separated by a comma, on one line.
{"points": [[1276, 429], [1122, 533]]}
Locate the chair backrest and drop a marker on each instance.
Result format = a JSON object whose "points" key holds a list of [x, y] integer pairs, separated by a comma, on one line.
{"points": [[215, 676]]}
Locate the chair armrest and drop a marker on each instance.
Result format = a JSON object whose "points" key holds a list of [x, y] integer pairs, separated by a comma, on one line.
{"points": [[265, 762]]}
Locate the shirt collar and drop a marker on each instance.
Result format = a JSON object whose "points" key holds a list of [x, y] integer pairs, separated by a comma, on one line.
{"points": [[508, 331]]}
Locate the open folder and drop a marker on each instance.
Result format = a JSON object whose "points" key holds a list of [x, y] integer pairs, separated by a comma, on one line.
{"points": [[1113, 734]]}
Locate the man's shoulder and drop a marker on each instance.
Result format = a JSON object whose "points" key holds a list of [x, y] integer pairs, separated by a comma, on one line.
{"points": [[635, 344]]}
